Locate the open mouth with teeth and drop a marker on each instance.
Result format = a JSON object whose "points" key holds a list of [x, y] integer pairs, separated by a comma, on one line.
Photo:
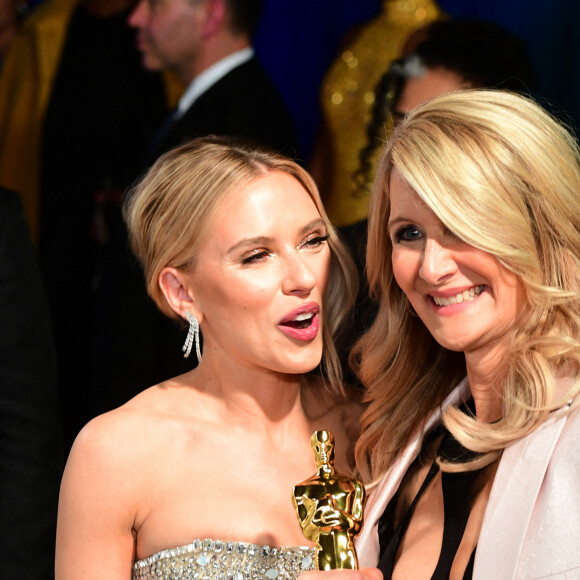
{"points": [[303, 324], [465, 296], [303, 320]]}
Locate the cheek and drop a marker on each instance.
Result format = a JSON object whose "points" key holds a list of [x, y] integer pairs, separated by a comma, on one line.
{"points": [[165, 28], [248, 296], [403, 269], [324, 275], [514, 296], [321, 266]]}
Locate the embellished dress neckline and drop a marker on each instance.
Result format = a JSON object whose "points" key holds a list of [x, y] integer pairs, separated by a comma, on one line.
{"points": [[222, 560]]}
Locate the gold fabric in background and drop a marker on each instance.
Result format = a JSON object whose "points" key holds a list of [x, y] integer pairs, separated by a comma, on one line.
{"points": [[347, 96]]}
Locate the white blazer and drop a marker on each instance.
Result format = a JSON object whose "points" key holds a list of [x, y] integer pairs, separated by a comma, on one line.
{"points": [[531, 526]]}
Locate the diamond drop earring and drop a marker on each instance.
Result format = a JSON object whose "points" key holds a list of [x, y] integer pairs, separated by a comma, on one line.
{"points": [[192, 335]]}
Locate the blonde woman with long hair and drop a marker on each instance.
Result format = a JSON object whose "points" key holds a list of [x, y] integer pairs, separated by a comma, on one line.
{"points": [[472, 368]]}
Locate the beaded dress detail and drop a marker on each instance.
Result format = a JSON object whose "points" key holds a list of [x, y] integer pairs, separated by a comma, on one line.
{"points": [[219, 560]]}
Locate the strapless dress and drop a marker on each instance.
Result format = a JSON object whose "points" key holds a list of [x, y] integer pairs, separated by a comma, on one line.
{"points": [[220, 560]]}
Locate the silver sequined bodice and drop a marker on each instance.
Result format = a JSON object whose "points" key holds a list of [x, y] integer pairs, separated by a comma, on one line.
{"points": [[217, 560]]}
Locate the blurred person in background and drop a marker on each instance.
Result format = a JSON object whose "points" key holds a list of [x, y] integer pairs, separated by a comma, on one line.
{"points": [[31, 446], [76, 112]]}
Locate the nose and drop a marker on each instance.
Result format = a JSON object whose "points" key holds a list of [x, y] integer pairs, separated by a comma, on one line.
{"points": [[437, 263], [299, 277], [136, 18]]}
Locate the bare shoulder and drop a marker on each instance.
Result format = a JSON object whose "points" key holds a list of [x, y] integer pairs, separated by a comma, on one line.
{"points": [[138, 431], [121, 441], [115, 430], [107, 432], [106, 449], [112, 481]]}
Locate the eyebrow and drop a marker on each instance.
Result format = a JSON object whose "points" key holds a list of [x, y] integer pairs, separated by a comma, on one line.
{"points": [[265, 240], [396, 220]]}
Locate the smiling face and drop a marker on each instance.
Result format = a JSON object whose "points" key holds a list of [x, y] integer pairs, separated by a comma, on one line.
{"points": [[464, 296], [258, 282]]}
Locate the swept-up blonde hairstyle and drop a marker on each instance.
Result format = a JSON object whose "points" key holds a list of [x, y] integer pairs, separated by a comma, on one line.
{"points": [[504, 177], [170, 213]]}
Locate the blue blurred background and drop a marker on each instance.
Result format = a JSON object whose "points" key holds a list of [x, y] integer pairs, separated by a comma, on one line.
{"points": [[298, 39]]}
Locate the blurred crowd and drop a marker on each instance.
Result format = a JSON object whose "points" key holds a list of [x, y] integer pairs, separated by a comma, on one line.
{"points": [[92, 92]]}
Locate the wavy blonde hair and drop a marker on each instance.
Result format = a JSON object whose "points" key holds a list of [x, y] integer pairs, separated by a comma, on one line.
{"points": [[170, 213], [504, 176]]}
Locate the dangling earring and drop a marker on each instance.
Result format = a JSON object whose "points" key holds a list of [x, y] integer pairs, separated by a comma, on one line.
{"points": [[192, 335]]}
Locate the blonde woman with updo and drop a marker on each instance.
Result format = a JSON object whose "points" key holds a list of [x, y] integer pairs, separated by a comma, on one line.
{"points": [[193, 478]]}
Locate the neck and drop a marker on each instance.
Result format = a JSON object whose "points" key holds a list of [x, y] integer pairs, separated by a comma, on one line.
{"points": [[485, 375], [251, 394], [215, 50]]}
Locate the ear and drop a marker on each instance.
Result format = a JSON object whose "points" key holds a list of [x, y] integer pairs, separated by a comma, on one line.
{"points": [[215, 15], [178, 292]]}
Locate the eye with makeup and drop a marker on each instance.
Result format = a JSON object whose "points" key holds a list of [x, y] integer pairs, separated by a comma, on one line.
{"points": [[314, 241], [406, 233], [255, 256]]}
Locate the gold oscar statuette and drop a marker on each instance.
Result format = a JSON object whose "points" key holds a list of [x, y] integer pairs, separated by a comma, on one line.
{"points": [[329, 507]]}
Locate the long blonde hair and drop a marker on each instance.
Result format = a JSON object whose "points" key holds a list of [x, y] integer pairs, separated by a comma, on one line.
{"points": [[503, 176], [170, 212]]}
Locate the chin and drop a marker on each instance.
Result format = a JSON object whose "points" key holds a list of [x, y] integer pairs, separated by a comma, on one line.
{"points": [[297, 367], [151, 63], [451, 344]]}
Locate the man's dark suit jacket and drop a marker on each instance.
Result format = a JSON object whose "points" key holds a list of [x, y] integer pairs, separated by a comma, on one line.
{"points": [[30, 437], [244, 104]]}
